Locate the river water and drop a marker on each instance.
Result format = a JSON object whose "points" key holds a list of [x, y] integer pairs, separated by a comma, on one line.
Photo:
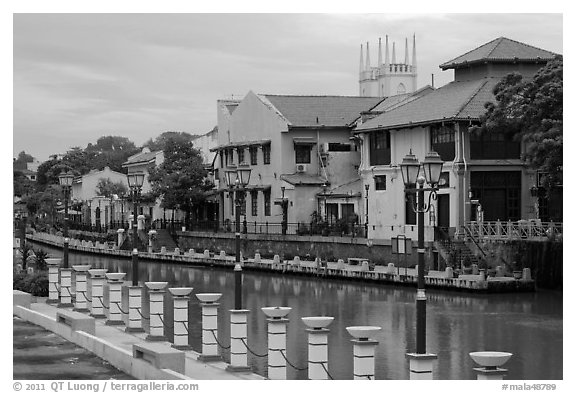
{"points": [[529, 325]]}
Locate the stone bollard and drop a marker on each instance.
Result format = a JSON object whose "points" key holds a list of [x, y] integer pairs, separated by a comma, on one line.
{"points": [[206, 254], [475, 269], [238, 341], [191, 252], [365, 266], [97, 279], [499, 271], [156, 294], [176, 251], [276, 260], [134, 324], [53, 290], [97, 245], [340, 264], [181, 297], [364, 349], [65, 286], [115, 281], [449, 272], [482, 274], [490, 363], [222, 254], [526, 274], [81, 302], [210, 350], [391, 269], [317, 346], [151, 237], [421, 365], [257, 258], [120, 236], [163, 250], [141, 219], [276, 341]]}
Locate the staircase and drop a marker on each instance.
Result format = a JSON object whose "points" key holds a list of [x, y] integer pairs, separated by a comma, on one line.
{"points": [[142, 243], [164, 239], [458, 249]]}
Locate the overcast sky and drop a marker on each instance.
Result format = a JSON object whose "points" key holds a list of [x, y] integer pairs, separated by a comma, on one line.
{"points": [[81, 76]]}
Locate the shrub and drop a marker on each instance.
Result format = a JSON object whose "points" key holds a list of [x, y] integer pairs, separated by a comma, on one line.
{"points": [[36, 284]]}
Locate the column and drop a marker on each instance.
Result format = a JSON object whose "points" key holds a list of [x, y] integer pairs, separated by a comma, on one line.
{"points": [[97, 279], [120, 236], [134, 310], [53, 292], [317, 346], [238, 341], [156, 293], [490, 362], [181, 297], [421, 366], [81, 302], [209, 326], [276, 340], [65, 288], [364, 349], [115, 281]]}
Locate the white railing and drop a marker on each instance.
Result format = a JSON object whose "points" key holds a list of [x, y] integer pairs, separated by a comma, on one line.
{"points": [[514, 230]]}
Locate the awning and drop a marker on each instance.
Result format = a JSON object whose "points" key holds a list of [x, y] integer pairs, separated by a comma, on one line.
{"points": [[304, 141], [303, 179], [233, 145]]}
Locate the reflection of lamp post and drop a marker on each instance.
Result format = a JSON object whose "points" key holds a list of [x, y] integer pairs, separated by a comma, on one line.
{"points": [[65, 180], [135, 182], [367, 187], [236, 180], [432, 167], [324, 191], [284, 204]]}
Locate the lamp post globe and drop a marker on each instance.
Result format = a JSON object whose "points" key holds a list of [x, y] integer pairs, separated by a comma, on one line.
{"points": [[410, 168]]}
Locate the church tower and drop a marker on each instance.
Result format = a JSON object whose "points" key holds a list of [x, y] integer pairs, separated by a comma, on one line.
{"points": [[391, 77]]}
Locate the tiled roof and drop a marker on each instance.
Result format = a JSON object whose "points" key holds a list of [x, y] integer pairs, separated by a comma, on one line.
{"points": [[499, 50], [312, 111], [301, 179], [141, 157], [351, 189], [400, 99], [456, 100]]}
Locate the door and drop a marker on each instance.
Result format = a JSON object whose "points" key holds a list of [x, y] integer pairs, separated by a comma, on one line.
{"points": [[444, 211]]}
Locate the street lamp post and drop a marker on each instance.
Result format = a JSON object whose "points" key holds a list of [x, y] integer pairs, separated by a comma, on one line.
{"points": [[135, 182], [65, 180], [237, 179], [410, 167], [284, 205], [367, 187]]}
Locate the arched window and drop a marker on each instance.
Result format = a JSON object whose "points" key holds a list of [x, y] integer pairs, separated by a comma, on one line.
{"points": [[401, 89]]}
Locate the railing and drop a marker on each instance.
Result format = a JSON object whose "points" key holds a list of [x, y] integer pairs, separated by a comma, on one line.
{"points": [[518, 230]]}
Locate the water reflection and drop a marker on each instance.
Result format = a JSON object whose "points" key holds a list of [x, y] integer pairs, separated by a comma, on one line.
{"points": [[528, 325]]}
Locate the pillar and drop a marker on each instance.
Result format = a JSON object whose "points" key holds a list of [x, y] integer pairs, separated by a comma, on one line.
{"points": [[134, 310], [115, 281], [317, 346], [238, 341], [151, 237], [81, 302], [97, 279], [156, 293], [141, 222], [210, 350], [490, 363], [181, 297], [65, 288], [53, 291], [421, 365], [276, 340], [364, 349], [120, 236]]}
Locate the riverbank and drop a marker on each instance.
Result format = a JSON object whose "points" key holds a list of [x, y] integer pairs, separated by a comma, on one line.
{"points": [[391, 275]]}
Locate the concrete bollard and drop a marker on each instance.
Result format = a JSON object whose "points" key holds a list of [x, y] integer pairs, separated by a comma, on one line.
{"points": [[115, 281], [65, 287], [210, 350], [53, 290], [163, 250], [364, 349], [222, 254], [191, 252], [482, 274], [134, 323], [81, 302], [475, 269], [317, 346], [206, 254], [120, 236], [526, 274], [238, 341], [141, 219], [156, 293], [499, 271], [391, 269], [176, 251], [181, 297], [276, 340], [340, 264], [97, 279], [276, 260], [151, 238], [257, 258], [490, 363], [449, 272], [97, 244], [421, 366]]}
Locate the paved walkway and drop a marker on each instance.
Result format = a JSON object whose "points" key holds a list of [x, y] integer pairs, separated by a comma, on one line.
{"points": [[41, 354]]}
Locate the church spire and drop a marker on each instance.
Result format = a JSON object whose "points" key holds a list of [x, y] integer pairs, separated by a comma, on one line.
{"points": [[414, 55], [379, 52], [406, 53], [367, 57], [361, 59], [393, 53]]}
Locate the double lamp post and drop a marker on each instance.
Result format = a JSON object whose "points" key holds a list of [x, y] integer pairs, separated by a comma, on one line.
{"points": [[135, 182], [65, 179]]}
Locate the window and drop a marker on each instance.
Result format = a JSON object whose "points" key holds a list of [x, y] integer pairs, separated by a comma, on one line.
{"points": [[380, 182], [492, 146], [498, 193], [443, 142], [242, 196], [231, 198], [410, 213], [302, 154], [266, 154], [267, 210], [380, 148], [221, 159], [339, 147], [240, 155], [332, 212], [254, 200], [253, 155]]}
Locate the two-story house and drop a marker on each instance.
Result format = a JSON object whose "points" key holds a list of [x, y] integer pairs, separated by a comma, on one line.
{"points": [[480, 173]]}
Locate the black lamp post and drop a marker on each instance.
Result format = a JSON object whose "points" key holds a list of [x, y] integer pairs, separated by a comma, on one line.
{"points": [[367, 187], [65, 180], [284, 204], [410, 167], [135, 182], [237, 178]]}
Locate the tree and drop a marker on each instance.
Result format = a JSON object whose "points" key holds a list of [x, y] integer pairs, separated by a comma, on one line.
{"points": [[22, 160], [22, 185], [179, 180], [531, 111], [168, 137], [111, 151], [107, 188]]}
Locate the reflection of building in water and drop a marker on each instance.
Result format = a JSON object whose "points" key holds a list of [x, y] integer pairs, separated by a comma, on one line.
{"points": [[257, 284], [222, 281], [206, 279], [276, 286]]}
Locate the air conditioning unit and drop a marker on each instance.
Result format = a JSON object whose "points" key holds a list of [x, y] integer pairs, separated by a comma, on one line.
{"points": [[300, 168]]}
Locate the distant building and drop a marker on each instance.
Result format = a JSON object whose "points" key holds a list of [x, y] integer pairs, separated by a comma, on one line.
{"points": [[388, 77]]}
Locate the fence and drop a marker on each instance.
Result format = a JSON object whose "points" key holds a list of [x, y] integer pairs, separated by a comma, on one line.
{"points": [[518, 230]]}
